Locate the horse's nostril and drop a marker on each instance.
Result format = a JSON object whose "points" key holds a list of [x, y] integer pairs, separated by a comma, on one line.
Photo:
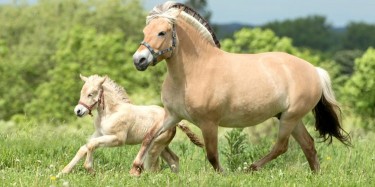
{"points": [[78, 111], [142, 60]]}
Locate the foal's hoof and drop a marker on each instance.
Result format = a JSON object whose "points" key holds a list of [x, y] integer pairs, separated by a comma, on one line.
{"points": [[135, 172], [91, 171]]}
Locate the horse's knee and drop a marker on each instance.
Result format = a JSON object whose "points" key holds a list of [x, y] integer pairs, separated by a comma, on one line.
{"points": [[279, 150]]}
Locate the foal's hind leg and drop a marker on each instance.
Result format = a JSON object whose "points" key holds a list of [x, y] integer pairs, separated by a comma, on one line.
{"points": [[281, 146], [171, 158], [307, 144]]}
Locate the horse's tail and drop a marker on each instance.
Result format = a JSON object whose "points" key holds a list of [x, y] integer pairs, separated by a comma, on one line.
{"points": [[328, 113], [193, 138]]}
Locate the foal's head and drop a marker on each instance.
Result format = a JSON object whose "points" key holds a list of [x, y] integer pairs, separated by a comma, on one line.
{"points": [[91, 95]]}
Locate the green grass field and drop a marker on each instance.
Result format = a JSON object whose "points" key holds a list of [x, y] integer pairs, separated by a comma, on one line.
{"points": [[32, 155]]}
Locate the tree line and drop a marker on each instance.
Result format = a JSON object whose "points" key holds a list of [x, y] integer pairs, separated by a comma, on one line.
{"points": [[45, 46]]}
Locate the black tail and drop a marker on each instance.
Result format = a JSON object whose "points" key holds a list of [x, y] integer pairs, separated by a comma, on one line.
{"points": [[327, 113], [328, 122]]}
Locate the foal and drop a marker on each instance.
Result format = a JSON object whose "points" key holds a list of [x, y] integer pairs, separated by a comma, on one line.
{"points": [[119, 122]]}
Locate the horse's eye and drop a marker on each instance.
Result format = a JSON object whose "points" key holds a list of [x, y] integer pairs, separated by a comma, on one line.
{"points": [[90, 95], [161, 33]]}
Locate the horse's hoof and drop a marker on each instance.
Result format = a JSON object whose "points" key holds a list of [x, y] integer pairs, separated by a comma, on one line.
{"points": [[253, 168], [135, 172], [174, 168]]}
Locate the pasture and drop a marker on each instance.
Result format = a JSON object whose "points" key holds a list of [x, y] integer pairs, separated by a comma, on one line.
{"points": [[32, 154]]}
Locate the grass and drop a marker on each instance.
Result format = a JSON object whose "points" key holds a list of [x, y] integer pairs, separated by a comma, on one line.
{"points": [[32, 155]]}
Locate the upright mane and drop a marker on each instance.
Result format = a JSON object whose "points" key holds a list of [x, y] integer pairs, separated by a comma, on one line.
{"points": [[118, 90], [167, 9]]}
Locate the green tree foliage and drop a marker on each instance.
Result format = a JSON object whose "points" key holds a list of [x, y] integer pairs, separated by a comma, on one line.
{"points": [[264, 40], [359, 36], [345, 59], [85, 51], [30, 34], [312, 31], [359, 90]]}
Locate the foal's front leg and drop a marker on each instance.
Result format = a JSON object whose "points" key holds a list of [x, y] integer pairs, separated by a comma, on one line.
{"points": [[102, 141], [80, 154]]}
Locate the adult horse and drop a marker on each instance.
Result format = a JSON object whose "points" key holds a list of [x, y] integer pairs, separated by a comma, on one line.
{"points": [[212, 88]]}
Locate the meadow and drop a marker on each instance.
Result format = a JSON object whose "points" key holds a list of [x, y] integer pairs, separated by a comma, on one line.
{"points": [[32, 154]]}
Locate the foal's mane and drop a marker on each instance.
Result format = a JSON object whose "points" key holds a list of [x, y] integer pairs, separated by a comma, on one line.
{"points": [[166, 10], [117, 90]]}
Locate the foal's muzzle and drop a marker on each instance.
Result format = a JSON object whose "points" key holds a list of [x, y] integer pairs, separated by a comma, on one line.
{"points": [[80, 110]]}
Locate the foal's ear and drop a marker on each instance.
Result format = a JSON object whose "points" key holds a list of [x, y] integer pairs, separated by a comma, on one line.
{"points": [[83, 77], [102, 80]]}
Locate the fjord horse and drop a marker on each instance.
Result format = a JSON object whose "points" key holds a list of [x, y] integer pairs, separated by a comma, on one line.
{"points": [[120, 122], [210, 87]]}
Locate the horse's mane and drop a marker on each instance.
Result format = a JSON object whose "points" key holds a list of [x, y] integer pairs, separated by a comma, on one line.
{"points": [[118, 90], [167, 9]]}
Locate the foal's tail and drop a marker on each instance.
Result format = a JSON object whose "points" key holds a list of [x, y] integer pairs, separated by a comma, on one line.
{"points": [[193, 138], [328, 114]]}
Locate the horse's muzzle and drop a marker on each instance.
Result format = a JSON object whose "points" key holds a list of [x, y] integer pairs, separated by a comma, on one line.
{"points": [[140, 63]]}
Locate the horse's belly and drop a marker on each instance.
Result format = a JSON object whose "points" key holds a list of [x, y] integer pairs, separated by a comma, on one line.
{"points": [[243, 120]]}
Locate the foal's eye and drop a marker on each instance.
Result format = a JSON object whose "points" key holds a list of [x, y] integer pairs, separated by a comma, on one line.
{"points": [[162, 33], [90, 95]]}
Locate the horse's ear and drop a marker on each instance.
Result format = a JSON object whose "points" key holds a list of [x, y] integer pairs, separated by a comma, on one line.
{"points": [[83, 77]]}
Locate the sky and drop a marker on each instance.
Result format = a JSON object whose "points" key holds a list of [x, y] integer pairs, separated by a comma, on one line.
{"points": [[257, 12]]}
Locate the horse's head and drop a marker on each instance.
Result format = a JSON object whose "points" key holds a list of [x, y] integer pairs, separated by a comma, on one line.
{"points": [[158, 43], [91, 95]]}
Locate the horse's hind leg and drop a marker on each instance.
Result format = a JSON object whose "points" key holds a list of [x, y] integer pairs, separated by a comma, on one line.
{"points": [[307, 144], [281, 146], [171, 158]]}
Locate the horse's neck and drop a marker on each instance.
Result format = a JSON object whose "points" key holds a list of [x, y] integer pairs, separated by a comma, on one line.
{"points": [[191, 53]]}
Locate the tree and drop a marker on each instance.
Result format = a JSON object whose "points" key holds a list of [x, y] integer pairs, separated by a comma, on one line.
{"points": [[264, 40], [312, 31], [201, 7], [30, 34], [359, 36], [359, 90], [85, 51], [345, 59]]}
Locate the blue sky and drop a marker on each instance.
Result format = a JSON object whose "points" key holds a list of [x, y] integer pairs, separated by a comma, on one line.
{"points": [[257, 12]]}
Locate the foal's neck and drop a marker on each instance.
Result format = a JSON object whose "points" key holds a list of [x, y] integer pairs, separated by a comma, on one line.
{"points": [[108, 103]]}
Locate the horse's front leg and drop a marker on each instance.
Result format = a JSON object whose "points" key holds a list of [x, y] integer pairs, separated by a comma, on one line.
{"points": [[102, 141], [209, 131], [80, 154], [148, 141]]}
